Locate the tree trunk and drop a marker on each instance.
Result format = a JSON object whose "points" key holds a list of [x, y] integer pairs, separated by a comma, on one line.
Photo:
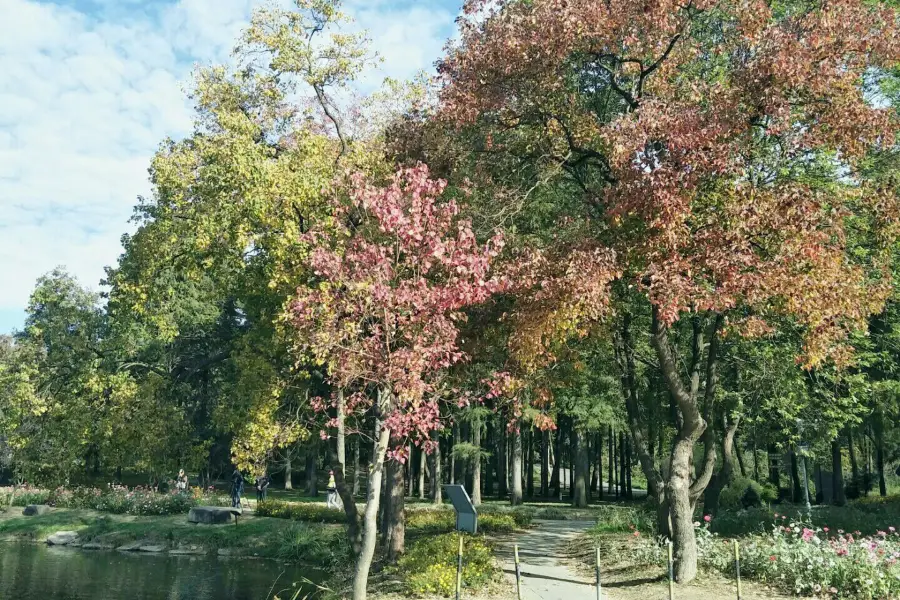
{"points": [[515, 496], [545, 463], [617, 450], [312, 485], [345, 493], [611, 471], [797, 490], [396, 514], [555, 482], [599, 468], [422, 468], [582, 465], [623, 475], [502, 473], [488, 464], [628, 465], [476, 464], [436, 488], [755, 460], [774, 470], [682, 513], [837, 474], [854, 465], [529, 465], [454, 471], [370, 519], [288, 474], [356, 467], [593, 452]]}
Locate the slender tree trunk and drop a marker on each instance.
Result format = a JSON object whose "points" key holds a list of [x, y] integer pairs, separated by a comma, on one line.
{"points": [[797, 490], [515, 496], [529, 465], [774, 470], [502, 473], [681, 511], [599, 467], [476, 464], [755, 460], [593, 453], [436, 488], [582, 465], [410, 471], [353, 532], [623, 475], [356, 465], [422, 468], [878, 435], [628, 465], [555, 482], [488, 464], [288, 474], [611, 471], [453, 465], [370, 519], [545, 463], [837, 473], [740, 456], [854, 465], [617, 449]]}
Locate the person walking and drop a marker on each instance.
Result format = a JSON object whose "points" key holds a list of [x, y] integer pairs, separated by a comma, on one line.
{"points": [[331, 489], [237, 488], [262, 488]]}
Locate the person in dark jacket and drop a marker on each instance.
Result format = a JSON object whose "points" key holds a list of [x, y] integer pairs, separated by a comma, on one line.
{"points": [[237, 488], [262, 487]]}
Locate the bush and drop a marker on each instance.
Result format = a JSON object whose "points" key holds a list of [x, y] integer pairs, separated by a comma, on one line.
{"points": [[23, 496], [744, 492], [617, 519], [313, 545], [429, 565], [444, 521], [313, 513]]}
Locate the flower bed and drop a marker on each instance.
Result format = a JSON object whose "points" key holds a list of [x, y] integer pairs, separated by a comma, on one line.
{"points": [[801, 558], [115, 499]]}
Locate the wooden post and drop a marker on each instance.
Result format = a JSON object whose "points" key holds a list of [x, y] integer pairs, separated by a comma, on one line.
{"points": [[459, 556], [671, 572], [598, 573], [737, 567], [518, 574]]}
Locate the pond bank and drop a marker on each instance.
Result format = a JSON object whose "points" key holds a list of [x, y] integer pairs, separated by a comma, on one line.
{"points": [[261, 537]]}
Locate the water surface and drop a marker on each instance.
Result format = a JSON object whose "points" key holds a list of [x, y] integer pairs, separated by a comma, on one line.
{"points": [[39, 572]]}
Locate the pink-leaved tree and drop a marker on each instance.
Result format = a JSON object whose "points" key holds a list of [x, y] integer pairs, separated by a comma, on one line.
{"points": [[393, 273]]}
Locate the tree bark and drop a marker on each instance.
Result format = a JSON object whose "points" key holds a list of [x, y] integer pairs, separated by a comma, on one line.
{"points": [[476, 464], [628, 464], [345, 493], [593, 452], [422, 468], [837, 474], [740, 456], [488, 464], [529, 465], [555, 482], [515, 496], [288, 474], [797, 490], [545, 463], [774, 471], [453, 466], [599, 467], [611, 452], [502, 473], [312, 486], [356, 465], [396, 513], [436, 488], [582, 465], [370, 519], [854, 465]]}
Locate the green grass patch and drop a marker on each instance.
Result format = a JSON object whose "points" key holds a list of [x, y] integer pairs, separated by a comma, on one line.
{"points": [[429, 565], [312, 513]]}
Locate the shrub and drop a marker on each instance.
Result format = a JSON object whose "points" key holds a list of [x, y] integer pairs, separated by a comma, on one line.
{"points": [[429, 565], [23, 496], [744, 492], [615, 519], [444, 521], [313, 513], [315, 545]]}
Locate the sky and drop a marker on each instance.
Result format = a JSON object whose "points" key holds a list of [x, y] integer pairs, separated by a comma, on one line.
{"points": [[88, 90]]}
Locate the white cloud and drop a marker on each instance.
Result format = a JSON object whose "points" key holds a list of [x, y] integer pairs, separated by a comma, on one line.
{"points": [[86, 97]]}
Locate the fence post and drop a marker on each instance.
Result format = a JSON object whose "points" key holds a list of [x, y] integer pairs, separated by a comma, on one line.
{"points": [[737, 567], [518, 573], [459, 556], [599, 592], [671, 572]]}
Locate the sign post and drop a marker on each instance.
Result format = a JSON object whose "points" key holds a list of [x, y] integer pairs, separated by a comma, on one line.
{"points": [[466, 515]]}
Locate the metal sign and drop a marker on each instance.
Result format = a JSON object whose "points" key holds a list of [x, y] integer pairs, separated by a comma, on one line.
{"points": [[466, 515]]}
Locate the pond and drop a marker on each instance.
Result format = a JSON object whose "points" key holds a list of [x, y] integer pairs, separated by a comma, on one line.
{"points": [[38, 572]]}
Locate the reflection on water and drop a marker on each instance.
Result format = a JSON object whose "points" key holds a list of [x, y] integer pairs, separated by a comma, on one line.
{"points": [[38, 572]]}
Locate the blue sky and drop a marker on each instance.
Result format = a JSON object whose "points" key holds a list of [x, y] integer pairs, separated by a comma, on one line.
{"points": [[88, 88]]}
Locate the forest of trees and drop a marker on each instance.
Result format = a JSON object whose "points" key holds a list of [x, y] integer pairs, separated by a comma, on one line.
{"points": [[648, 245]]}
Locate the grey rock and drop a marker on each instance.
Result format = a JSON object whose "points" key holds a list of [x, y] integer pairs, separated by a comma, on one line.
{"points": [[213, 515], [228, 552], [35, 509], [152, 548], [98, 546], [62, 538], [131, 546], [192, 549]]}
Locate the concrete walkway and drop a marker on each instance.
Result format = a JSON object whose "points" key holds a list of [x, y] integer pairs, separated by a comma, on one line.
{"points": [[544, 564]]}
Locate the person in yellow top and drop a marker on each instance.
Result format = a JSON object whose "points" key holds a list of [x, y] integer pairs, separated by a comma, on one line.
{"points": [[331, 489]]}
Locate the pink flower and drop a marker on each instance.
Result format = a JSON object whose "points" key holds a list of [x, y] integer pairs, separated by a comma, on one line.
{"points": [[773, 558], [825, 529], [637, 534], [892, 529], [707, 518]]}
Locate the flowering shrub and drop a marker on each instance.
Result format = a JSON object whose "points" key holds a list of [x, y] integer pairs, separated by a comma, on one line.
{"points": [[429, 565], [23, 496], [802, 558], [114, 499]]}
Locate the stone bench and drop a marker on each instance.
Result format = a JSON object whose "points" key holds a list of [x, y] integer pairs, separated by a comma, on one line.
{"points": [[35, 509], [213, 515]]}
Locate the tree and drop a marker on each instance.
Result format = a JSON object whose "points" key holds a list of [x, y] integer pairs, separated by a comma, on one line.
{"points": [[391, 278], [693, 133]]}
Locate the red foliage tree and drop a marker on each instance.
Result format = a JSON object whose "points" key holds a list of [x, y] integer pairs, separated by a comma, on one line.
{"points": [[698, 133]]}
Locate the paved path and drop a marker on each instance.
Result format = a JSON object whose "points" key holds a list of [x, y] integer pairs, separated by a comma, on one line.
{"points": [[545, 571]]}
